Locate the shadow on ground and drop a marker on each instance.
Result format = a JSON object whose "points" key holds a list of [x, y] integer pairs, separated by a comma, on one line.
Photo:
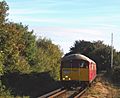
{"points": [[33, 85]]}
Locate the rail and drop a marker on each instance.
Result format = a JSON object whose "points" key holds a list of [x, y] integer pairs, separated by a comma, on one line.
{"points": [[66, 93], [51, 93], [58, 94], [81, 93]]}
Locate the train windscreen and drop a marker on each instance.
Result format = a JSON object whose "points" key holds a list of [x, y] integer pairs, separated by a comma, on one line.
{"points": [[75, 64]]}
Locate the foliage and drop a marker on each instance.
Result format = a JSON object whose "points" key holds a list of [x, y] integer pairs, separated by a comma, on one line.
{"points": [[21, 53], [1, 63], [3, 12], [13, 44], [102, 57], [83, 47], [116, 74], [3, 91], [97, 51], [48, 57]]}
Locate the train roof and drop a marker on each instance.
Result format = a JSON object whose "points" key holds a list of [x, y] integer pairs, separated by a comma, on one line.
{"points": [[76, 56]]}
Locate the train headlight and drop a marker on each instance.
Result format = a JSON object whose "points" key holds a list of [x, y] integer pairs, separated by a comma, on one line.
{"points": [[69, 78], [66, 76], [63, 78]]}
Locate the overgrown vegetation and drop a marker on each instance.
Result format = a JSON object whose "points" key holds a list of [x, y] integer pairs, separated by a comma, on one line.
{"points": [[21, 52], [102, 88]]}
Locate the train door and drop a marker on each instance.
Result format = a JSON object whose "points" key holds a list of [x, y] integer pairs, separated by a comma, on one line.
{"points": [[74, 70], [83, 67], [79, 70]]}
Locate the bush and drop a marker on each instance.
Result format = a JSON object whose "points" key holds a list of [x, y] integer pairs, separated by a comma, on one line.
{"points": [[116, 74]]}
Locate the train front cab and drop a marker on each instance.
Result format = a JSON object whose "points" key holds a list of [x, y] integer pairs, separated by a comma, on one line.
{"points": [[74, 72], [77, 72]]}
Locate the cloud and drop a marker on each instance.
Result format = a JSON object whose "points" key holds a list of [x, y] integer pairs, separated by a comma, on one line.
{"points": [[30, 11], [65, 37], [61, 31], [37, 20]]}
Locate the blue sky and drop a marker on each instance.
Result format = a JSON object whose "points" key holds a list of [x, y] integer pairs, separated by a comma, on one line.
{"points": [[64, 21]]}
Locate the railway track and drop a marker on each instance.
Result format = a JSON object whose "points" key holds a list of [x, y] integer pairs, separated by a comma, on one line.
{"points": [[61, 94], [54, 93], [80, 93], [65, 93]]}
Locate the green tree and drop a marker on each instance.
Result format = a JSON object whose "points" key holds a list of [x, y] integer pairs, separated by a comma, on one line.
{"points": [[3, 12], [12, 44], [1, 63], [48, 56], [97, 51], [116, 67], [17, 43], [102, 57]]}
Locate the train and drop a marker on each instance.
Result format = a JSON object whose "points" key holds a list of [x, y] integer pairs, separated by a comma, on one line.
{"points": [[77, 69]]}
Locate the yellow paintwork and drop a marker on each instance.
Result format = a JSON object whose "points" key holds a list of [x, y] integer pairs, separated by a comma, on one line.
{"points": [[80, 74]]}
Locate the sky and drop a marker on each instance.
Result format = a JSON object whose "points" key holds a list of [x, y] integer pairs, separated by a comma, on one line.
{"points": [[65, 21]]}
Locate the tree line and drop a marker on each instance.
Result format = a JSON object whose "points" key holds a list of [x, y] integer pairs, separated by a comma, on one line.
{"points": [[20, 51]]}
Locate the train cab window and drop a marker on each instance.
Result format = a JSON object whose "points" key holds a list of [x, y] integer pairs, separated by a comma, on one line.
{"points": [[83, 64], [65, 64], [75, 64]]}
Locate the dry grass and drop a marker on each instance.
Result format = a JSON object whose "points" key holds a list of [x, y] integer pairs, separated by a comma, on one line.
{"points": [[102, 89]]}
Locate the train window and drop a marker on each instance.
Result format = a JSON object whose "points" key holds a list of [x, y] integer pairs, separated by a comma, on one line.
{"points": [[65, 64], [92, 66], [84, 64], [75, 64]]}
